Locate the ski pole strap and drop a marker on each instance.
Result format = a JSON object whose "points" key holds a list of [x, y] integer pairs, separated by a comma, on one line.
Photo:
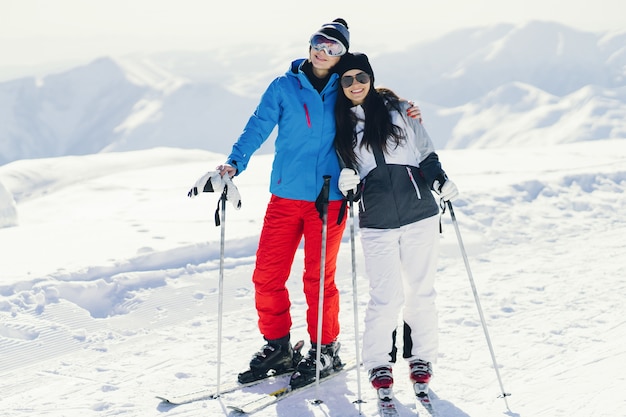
{"points": [[217, 210], [321, 203], [342, 211], [348, 200], [442, 204], [351, 197]]}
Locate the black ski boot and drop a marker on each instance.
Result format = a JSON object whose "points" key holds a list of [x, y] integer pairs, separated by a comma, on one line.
{"points": [[306, 372], [275, 357]]}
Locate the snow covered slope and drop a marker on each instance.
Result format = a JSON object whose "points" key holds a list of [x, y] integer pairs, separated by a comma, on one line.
{"points": [[109, 286]]}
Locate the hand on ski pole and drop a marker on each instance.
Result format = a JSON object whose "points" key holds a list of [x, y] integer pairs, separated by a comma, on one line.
{"points": [[447, 191], [227, 169], [348, 181]]}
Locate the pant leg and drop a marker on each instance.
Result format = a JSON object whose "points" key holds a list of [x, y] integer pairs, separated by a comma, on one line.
{"points": [[312, 265], [382, 265], [419, 252], [280, 237]]}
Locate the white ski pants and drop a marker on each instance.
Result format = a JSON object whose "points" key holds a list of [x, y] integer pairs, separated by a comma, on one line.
{"points": [[401, 267]]}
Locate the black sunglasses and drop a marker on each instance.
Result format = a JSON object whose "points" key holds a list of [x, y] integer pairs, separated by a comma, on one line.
{"points": [[348, 80]]}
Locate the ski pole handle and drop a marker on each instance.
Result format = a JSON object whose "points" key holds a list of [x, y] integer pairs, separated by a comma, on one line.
{"points": [[321, 202], [326, 189]]}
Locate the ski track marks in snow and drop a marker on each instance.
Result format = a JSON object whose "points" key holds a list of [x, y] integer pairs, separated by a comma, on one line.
{"points": [[546, 248]]}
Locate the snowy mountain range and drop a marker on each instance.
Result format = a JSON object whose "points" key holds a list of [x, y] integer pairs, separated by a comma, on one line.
{"points": [[536, 84]]}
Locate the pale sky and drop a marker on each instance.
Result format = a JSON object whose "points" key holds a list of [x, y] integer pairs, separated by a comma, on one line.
{"points": [[36, 32]]}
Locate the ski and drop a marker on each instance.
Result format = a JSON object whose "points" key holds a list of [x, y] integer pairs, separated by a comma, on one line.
{"points": [[266, 400], [386, 403], [249, 378], [387, 408], [422, 398], [211, 393]]}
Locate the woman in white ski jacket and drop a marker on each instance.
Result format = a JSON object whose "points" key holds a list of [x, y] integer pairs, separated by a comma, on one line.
{"points": [[396, 169]]}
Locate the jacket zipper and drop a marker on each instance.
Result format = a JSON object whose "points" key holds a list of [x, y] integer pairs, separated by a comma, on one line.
{"points": [[361, 200], [417, 190], [308, 118]]}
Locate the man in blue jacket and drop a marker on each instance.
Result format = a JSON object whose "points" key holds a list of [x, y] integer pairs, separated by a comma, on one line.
{"points": [[301, 103]]}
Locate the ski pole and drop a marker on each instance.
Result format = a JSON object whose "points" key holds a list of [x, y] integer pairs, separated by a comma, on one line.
{"points": [[480, 310], [323, 204], [355, 299], [220, 292]]}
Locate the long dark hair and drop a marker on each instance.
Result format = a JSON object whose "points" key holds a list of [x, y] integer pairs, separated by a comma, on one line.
{"points": [[379, 130]]}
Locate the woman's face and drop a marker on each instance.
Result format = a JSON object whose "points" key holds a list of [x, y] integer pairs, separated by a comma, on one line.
{"points": [[356, 84]]}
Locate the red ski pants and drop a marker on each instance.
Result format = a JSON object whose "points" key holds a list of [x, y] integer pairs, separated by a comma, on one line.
{"points": [[286, 222]]}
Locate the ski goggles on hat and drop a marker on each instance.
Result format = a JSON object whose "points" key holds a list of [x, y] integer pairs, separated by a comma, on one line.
{"points": [[361, 77], [332, 46]]}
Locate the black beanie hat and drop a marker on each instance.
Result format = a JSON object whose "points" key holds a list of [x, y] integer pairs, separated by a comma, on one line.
{"points": [[355, 60], [337, 29]]}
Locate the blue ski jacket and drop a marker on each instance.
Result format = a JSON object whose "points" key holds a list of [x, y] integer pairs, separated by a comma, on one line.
{"points": [[304, 151]]}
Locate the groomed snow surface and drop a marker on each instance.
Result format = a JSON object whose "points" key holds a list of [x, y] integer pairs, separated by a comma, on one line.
{"points": [[109, 285]]}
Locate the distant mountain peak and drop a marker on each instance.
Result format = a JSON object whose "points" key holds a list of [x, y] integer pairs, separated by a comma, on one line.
{"points": [[501, 85], [145, 72]]}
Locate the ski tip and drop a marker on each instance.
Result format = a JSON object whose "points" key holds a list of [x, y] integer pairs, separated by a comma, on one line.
{"points": [[165, 400], [236, 409]]}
